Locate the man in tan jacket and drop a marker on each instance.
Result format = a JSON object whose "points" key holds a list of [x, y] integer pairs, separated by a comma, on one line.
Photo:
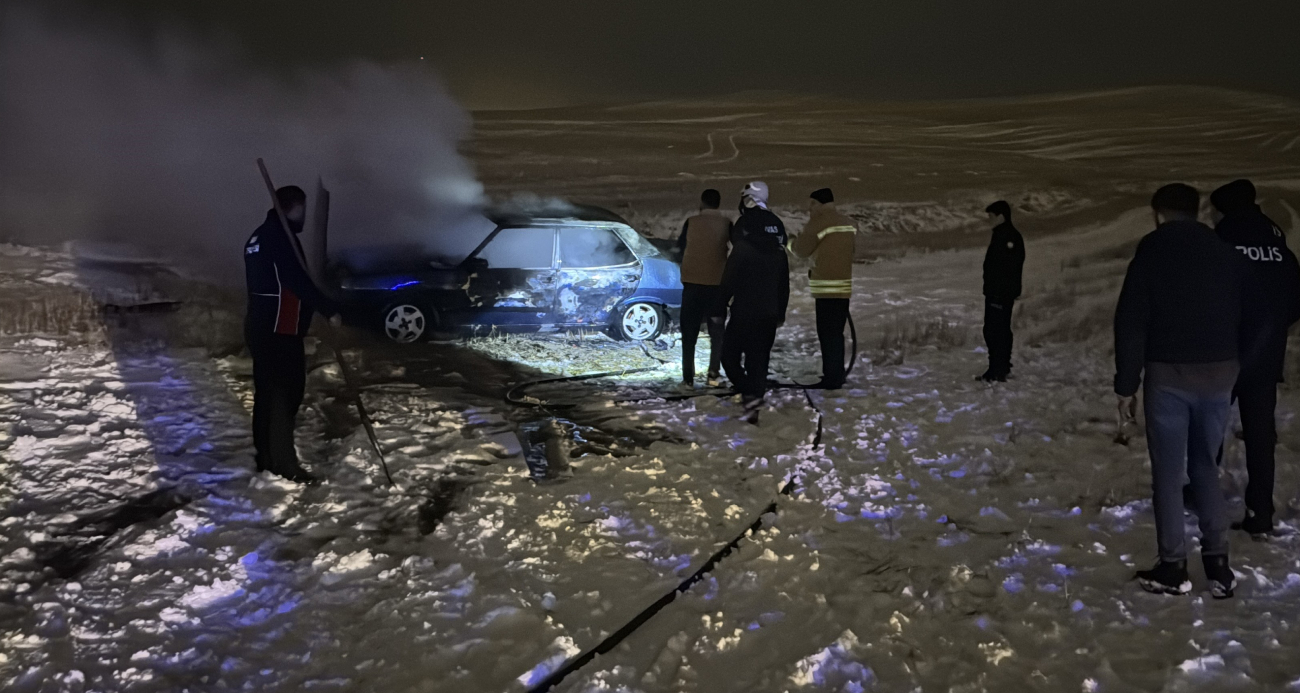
{"points": [[828, 239], [704, 242]]}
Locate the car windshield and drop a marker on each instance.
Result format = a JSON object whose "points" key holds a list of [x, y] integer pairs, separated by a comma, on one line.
{"points": [[521, 248], [592, 247]]}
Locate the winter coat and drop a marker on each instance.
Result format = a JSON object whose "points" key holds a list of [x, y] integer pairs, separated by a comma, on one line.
{"points": [[829, 239], [281, 295], [1183, 302], [756, 282], [703, 243], [756, 221], [1004, 263], [1277, 274]]}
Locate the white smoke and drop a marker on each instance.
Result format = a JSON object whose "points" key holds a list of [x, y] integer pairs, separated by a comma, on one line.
{"points": [[107, 139]]}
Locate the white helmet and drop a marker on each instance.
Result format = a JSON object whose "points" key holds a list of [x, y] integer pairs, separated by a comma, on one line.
{"points": [[755, 191]]}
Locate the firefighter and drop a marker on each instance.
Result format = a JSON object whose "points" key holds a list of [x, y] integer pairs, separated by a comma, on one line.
{"points": [[704, 243], [281, 301], [829, 240]]}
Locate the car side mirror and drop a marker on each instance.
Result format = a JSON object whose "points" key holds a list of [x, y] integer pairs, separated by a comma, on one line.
{"points": [[476, 264]]}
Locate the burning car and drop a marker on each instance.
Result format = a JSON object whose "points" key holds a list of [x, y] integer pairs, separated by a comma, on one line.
{"points": [[583, 267]]}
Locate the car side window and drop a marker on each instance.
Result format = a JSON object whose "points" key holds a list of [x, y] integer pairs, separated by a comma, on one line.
{"points": [[520, 248], [592, 247]]}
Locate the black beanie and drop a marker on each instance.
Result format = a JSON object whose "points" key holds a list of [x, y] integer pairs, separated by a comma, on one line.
{"points": [[824, 196], [1234, 197]]}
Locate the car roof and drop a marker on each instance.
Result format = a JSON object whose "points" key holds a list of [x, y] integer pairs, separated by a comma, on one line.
{"points": [[557, 214]]}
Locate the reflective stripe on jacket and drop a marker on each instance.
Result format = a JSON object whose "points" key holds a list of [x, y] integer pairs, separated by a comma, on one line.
{"points": [[829, 239]]}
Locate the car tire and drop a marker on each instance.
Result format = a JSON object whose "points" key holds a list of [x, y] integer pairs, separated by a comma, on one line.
{"points": [[408, 323], [638, 322]]}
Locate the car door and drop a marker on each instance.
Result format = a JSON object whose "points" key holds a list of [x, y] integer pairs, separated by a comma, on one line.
{"points": [[516, 280], [597, 272]]}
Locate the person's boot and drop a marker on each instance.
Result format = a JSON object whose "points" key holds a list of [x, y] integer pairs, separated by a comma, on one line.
{"points": [[298, 475], [1219, 573], [1167, 577], [715, 379], [825, 384], [752, 409], [992, 376], [1257, 526]]}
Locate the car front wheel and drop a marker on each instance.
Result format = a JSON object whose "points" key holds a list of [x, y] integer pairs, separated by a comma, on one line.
{"points": [[407, 323], [638, 322]]}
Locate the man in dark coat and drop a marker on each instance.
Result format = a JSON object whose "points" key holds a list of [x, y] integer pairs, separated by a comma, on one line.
{"points": [[1004, 262], [1243, 225], [281, 301], [1180, 321], [756, 287]]}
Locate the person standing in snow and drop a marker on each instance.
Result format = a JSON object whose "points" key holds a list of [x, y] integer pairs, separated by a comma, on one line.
{"points": [[1180, 320], [756, 288], [705, 240], [829, 240], [281, 301], [1242, 224], [1004, 263]]}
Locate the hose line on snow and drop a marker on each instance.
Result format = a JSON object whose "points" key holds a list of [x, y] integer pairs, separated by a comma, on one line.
{"points": [[614, 639]]}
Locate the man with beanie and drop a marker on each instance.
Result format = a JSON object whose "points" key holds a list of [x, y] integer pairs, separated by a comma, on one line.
{"points": [[1004, 263], [281, 301], [1180, 320], [829, 240], [703, 244], [1242, 224], [756, 287]]}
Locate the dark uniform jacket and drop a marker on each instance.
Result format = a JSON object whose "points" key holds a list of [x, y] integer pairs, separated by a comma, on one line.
{"points": [[1003, 263], [1182, 303], [756, 282], [1277, 277], [281, 295], [758, 221]]}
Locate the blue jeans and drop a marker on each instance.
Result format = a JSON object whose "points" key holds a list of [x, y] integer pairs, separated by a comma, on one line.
{"points": [[1184, 432]]}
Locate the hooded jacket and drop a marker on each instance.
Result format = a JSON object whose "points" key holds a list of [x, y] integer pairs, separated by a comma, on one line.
{"points": [[1277, 276], [281, 295], [704, 242], [1004, 263], [829, 239], [1182, 303], [756, 282]]}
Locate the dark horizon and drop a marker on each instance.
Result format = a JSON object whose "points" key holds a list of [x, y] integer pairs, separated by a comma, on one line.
{"points": [[504, 54]]}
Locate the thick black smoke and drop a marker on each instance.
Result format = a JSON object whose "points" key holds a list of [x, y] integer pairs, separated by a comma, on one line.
{"points": [[103, 138]]}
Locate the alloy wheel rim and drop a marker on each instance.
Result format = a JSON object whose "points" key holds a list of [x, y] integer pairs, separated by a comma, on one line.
{"points": [[640, 321], [404, 324]]}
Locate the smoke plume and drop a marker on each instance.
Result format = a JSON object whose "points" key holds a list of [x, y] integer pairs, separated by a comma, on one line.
{"points": [[105, 138]]}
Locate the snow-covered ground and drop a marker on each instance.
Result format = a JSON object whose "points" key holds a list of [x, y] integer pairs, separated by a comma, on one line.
{"points": [[948, 535]]}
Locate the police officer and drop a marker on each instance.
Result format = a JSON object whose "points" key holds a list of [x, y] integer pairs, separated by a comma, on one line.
{"points": [[829, 240], [281, 300], [1275, 307], [756, 287], [705, 240], [1003, 264]]}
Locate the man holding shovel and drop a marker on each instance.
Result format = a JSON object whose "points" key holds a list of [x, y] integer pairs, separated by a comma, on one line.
{"points": [[281, 301]]}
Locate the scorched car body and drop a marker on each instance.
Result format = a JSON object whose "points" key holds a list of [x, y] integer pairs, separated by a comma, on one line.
{"points": [[586, 268]]}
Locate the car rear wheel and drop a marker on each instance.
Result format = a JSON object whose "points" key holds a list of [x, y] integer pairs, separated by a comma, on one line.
{"points": [[406, 323], [638, 322]]}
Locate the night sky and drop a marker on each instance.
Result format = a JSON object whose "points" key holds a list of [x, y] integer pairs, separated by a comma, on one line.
{"points": [[503, 53]]}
